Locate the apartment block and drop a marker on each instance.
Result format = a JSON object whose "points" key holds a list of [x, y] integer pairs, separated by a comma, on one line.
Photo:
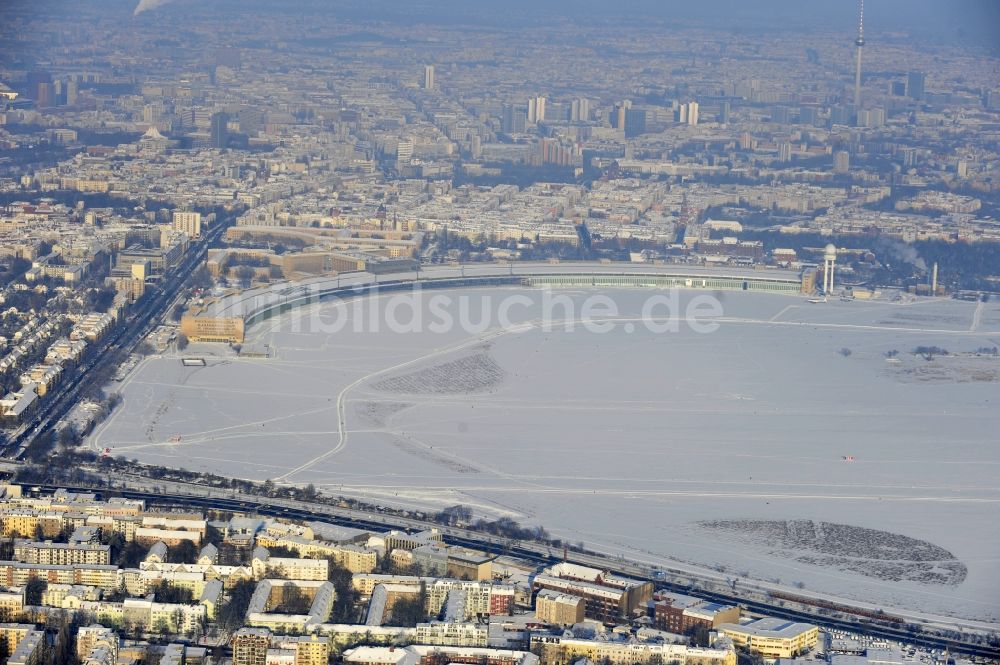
{"points": [[559, 608], [62, 554]]}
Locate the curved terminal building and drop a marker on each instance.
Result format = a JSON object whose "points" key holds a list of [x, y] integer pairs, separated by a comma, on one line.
{"points": [[225, 319]]}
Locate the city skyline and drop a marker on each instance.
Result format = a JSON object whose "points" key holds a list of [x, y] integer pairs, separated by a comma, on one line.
{"points": [[539, 333]]}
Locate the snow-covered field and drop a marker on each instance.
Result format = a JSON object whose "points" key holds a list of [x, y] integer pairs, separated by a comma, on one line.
{"points": [[723, 449]]}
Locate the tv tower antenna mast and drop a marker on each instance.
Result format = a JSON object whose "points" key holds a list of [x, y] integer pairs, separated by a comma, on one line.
{"points": [[859, 42]]}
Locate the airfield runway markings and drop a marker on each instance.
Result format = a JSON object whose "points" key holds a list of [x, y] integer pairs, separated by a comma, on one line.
{"points": [[782, 312], [977, 316], [228, 461], [225, 389], [205, 436], [552, 481], [518, 479], [633, 493], [659, 321], [96, 437], [341, 414], [197, 440], [390, 495], [693, 407], [433, 427]]}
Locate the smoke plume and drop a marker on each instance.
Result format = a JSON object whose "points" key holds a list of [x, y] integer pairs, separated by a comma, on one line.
{"points": [[146, 5], [904, 253]]}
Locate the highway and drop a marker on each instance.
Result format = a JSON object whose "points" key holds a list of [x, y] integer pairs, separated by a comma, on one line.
{"points": [[139, 322], [172, 493]]}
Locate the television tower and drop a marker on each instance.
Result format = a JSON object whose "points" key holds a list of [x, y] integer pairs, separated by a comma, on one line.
{"points": [[859, 42]]}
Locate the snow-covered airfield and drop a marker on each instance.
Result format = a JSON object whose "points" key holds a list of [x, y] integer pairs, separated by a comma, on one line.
{"points": [[783, 445]]}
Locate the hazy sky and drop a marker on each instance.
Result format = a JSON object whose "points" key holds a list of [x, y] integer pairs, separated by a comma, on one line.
{"points": [[977, 20]]}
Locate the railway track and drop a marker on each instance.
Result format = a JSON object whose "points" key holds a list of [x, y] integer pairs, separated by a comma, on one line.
{"points": [[122, 340]]}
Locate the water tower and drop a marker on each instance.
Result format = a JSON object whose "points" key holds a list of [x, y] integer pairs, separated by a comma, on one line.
{"points": [[829, 262]]}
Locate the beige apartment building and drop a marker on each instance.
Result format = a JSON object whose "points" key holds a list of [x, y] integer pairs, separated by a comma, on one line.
{"points": [[12, 633], [560, 609], [563, 651], [312, 650], [188, 222], [17, 573], [61, 554], [354, 558], [93, 637], [453, 633], [264, 565], [250, 646], [11, 603]]}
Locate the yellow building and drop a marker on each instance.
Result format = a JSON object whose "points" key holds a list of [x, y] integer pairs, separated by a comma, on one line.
{"points": [[102, 576], [312, 650], [68, 596], [141, 582], [809, 281], [171, 537], [354, 558], [11, 603], [16, 573], [365, 584], [227, 329], [19, 523], [127, 284], [211, 597], [100, 186], [559, 608], [124, 524], [465, 564], [319, 263], [12, 633], [94, 636], [29, 650], [554, 650], [773, 638], [400, 540], [264, 565], [183, 521], [343, 635], [150, 615]]}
